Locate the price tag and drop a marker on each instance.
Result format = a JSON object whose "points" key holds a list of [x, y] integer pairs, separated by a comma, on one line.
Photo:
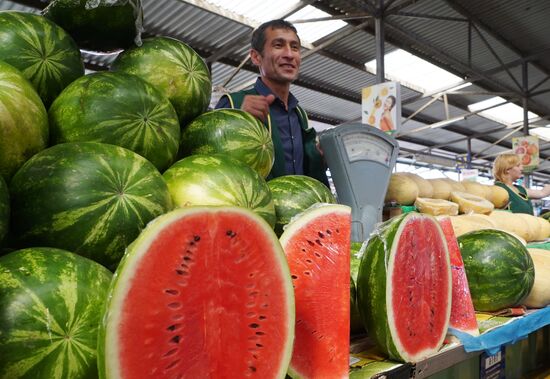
{"points": [[492, 366]]}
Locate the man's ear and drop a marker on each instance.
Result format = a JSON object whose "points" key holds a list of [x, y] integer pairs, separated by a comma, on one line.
{"points": [[256, 57]]}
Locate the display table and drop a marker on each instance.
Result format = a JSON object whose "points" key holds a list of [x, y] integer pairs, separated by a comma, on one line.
{"points": [[509, 347]]}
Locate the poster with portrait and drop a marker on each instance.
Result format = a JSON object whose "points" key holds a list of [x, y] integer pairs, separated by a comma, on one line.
{"points": [[527, 148], [381, 106]]}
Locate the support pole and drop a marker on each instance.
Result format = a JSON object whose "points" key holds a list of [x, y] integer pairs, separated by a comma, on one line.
{"points": [[379, 32]]}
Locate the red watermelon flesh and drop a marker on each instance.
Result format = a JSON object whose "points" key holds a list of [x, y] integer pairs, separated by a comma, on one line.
{"points": [[202, 293], [317, 246], [418, 287], [463, 316]]}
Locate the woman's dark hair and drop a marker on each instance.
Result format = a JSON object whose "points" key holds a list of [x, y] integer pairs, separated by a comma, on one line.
{"points": [[393, 101], [258, 36]]}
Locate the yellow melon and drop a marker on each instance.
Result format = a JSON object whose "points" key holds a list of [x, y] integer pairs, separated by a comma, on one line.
{"points": [[425, 188], [442, 188], [544, 229], [476, 189], [499, 196], [508, 221], [540, 293], [401, 189], [436, 207], [533, 225], [468, 203]]}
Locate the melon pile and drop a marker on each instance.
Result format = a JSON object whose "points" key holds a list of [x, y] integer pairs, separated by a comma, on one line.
{"points": [[125, 172], [472, 206]]}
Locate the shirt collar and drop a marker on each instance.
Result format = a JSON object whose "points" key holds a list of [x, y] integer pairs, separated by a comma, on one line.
{"points": [[264, 90]]}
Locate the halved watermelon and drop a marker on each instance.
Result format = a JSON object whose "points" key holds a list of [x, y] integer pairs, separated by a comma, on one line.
{"points": [[204, 292], [463, 315], [404, 287], [317, 245]]}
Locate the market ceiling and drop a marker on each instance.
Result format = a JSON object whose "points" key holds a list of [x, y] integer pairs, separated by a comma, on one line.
{"points": [[501, 46]]}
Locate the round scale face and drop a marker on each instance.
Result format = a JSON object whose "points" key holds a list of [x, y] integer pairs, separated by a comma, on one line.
{"points": [[363, 146]]}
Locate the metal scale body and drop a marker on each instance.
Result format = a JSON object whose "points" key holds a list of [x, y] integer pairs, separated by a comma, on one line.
{"points": [[361, 159]]}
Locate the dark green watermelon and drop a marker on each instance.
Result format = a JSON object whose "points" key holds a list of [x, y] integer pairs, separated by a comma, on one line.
{"points": [[232, 132], [100, 25], [44, 53], [120, 109], [174, 68], [4, 210], [23, 121], [50, 311], [499, 269], [219, 180], [293, 194], [86, 197]]}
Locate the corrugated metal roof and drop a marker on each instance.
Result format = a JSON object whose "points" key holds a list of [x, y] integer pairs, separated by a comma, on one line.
{"points": [[331, 79]]}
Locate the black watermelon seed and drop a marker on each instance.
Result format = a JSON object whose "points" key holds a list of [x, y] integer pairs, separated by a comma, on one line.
{"points": [[197, 238], [254, 325], [171, 352], [175, 339], [262, 317], [259, 345], [294, 277], [310, 243], [260, 333], [321, 235], [172, 291], [328, 232], [252, 368], [318, 242], [317, 255], [172, 364]]}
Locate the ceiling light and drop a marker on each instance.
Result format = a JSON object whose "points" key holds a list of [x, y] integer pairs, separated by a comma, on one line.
{"points": [[447, 122]]}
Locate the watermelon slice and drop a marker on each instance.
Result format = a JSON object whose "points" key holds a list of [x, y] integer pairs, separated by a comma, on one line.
{"points": [[204, 292], [463, 316], [317, 246], [404, 287]]}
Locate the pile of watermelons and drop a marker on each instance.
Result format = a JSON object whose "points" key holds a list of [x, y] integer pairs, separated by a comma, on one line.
{"points": [[127, 172], [129, 164]]}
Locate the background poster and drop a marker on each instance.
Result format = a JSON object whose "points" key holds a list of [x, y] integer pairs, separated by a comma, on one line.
{"points": [[381, 106], [527, 148]]}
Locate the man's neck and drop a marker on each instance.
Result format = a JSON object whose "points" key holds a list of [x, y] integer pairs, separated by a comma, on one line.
{"points": [[281, 90]]}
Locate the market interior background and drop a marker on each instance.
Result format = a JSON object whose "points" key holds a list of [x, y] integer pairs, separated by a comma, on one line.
{"points": [[474, 74]]}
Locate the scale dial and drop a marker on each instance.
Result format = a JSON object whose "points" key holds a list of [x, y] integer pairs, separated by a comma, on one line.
{"points": [[365, 146]]}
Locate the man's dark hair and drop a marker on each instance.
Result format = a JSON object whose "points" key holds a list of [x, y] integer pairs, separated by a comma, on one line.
{"points": [[258, 36]]}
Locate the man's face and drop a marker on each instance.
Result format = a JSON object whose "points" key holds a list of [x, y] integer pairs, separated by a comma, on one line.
{"points": [[280, 60]]}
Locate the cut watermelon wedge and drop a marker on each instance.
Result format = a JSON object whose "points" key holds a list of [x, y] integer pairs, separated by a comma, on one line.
{"points": [[203, 292], [404, 287], [317, 245], [463, 316]]}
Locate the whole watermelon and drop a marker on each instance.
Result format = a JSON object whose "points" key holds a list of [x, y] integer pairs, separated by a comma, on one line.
{"points": [[50, 302], [120, 109], [232, 132], [219, 180], [86, 197], [4, 210], [293, 194], [499, 269], [44, 53], [173, 67], [100, 25], [23, 121]]}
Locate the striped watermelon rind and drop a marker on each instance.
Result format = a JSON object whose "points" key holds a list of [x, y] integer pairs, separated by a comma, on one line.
{"points": [[120, 109], [219, 180], [101, 25], [4, 210], [90, 198], [175, 69], [23, 121], [232, 132], [273, 277], [44, 53], [293, 194], [499, 268], [49, 314], [376, 281]]}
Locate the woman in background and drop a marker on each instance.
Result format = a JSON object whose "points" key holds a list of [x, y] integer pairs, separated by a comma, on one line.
{"points": [[507, 168]]}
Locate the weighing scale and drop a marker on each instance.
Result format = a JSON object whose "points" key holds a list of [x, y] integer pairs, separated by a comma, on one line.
{"points": [[361, 159]]}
